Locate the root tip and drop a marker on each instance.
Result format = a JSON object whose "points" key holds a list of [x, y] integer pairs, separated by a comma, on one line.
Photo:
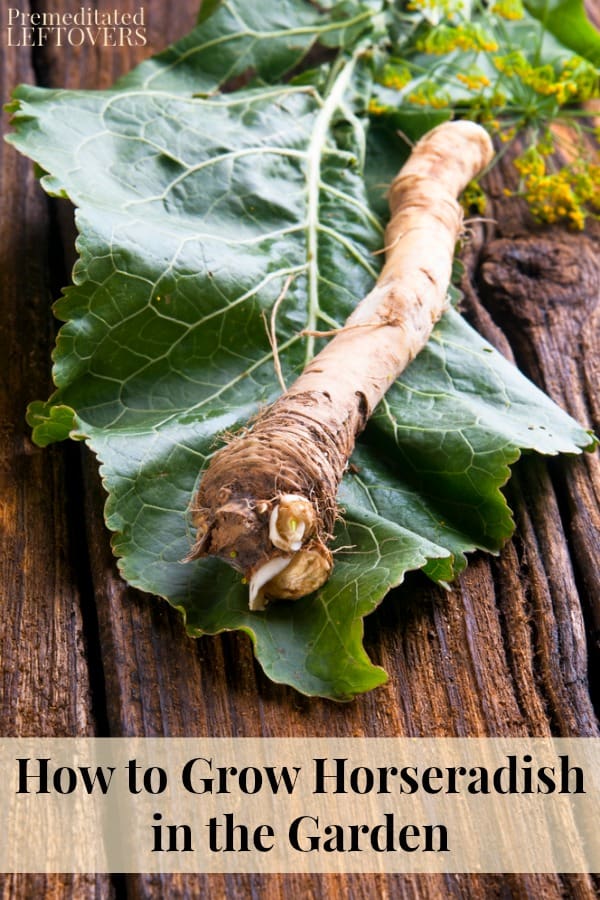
{"points": [[292, 521]]}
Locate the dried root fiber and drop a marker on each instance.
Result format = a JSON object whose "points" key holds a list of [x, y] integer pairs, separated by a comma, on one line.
{"points": [[266, 504]]}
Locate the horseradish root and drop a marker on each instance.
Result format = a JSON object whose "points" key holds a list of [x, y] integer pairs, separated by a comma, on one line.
{"points": [[267, 502]]}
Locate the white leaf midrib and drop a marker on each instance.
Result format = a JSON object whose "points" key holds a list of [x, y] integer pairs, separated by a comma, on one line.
{"points": [[316, 150]]}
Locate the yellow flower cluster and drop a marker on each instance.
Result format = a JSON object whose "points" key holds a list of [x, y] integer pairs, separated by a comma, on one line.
{"points": [[507, 135], [427, 95], [545, 143], [509, 9], [395, 77], [376, 108], [486, 106], [576, 80], [568, 194], [473, 198], [474, 81], [466, 36], [583, 75]]}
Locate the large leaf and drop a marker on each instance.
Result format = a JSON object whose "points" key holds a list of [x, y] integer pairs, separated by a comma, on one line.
{"points": [[262, 38], [195, 213], [567, 21]]}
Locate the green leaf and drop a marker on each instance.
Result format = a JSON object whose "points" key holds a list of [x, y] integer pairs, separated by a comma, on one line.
{"points": [[195, 215], [50, 422], [260, 39], [568, 22], [439, 447]]}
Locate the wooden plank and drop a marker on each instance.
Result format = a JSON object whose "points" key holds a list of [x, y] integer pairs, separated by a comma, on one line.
{"points": [[504, 653], [542, 287], [45, 686], [43, 635]]}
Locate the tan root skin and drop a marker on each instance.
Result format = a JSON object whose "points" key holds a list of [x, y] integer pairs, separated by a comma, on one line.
{"points": [[266, 503]]}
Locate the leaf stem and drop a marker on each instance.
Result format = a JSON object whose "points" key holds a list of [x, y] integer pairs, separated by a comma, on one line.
{"points": [[313, 181]]}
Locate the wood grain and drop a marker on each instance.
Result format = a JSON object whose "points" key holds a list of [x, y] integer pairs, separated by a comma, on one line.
{"points": [[45, 685], [506, 652]]}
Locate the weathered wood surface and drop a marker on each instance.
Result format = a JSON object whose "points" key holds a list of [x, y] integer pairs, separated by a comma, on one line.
{"points": [[512, 650]]}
